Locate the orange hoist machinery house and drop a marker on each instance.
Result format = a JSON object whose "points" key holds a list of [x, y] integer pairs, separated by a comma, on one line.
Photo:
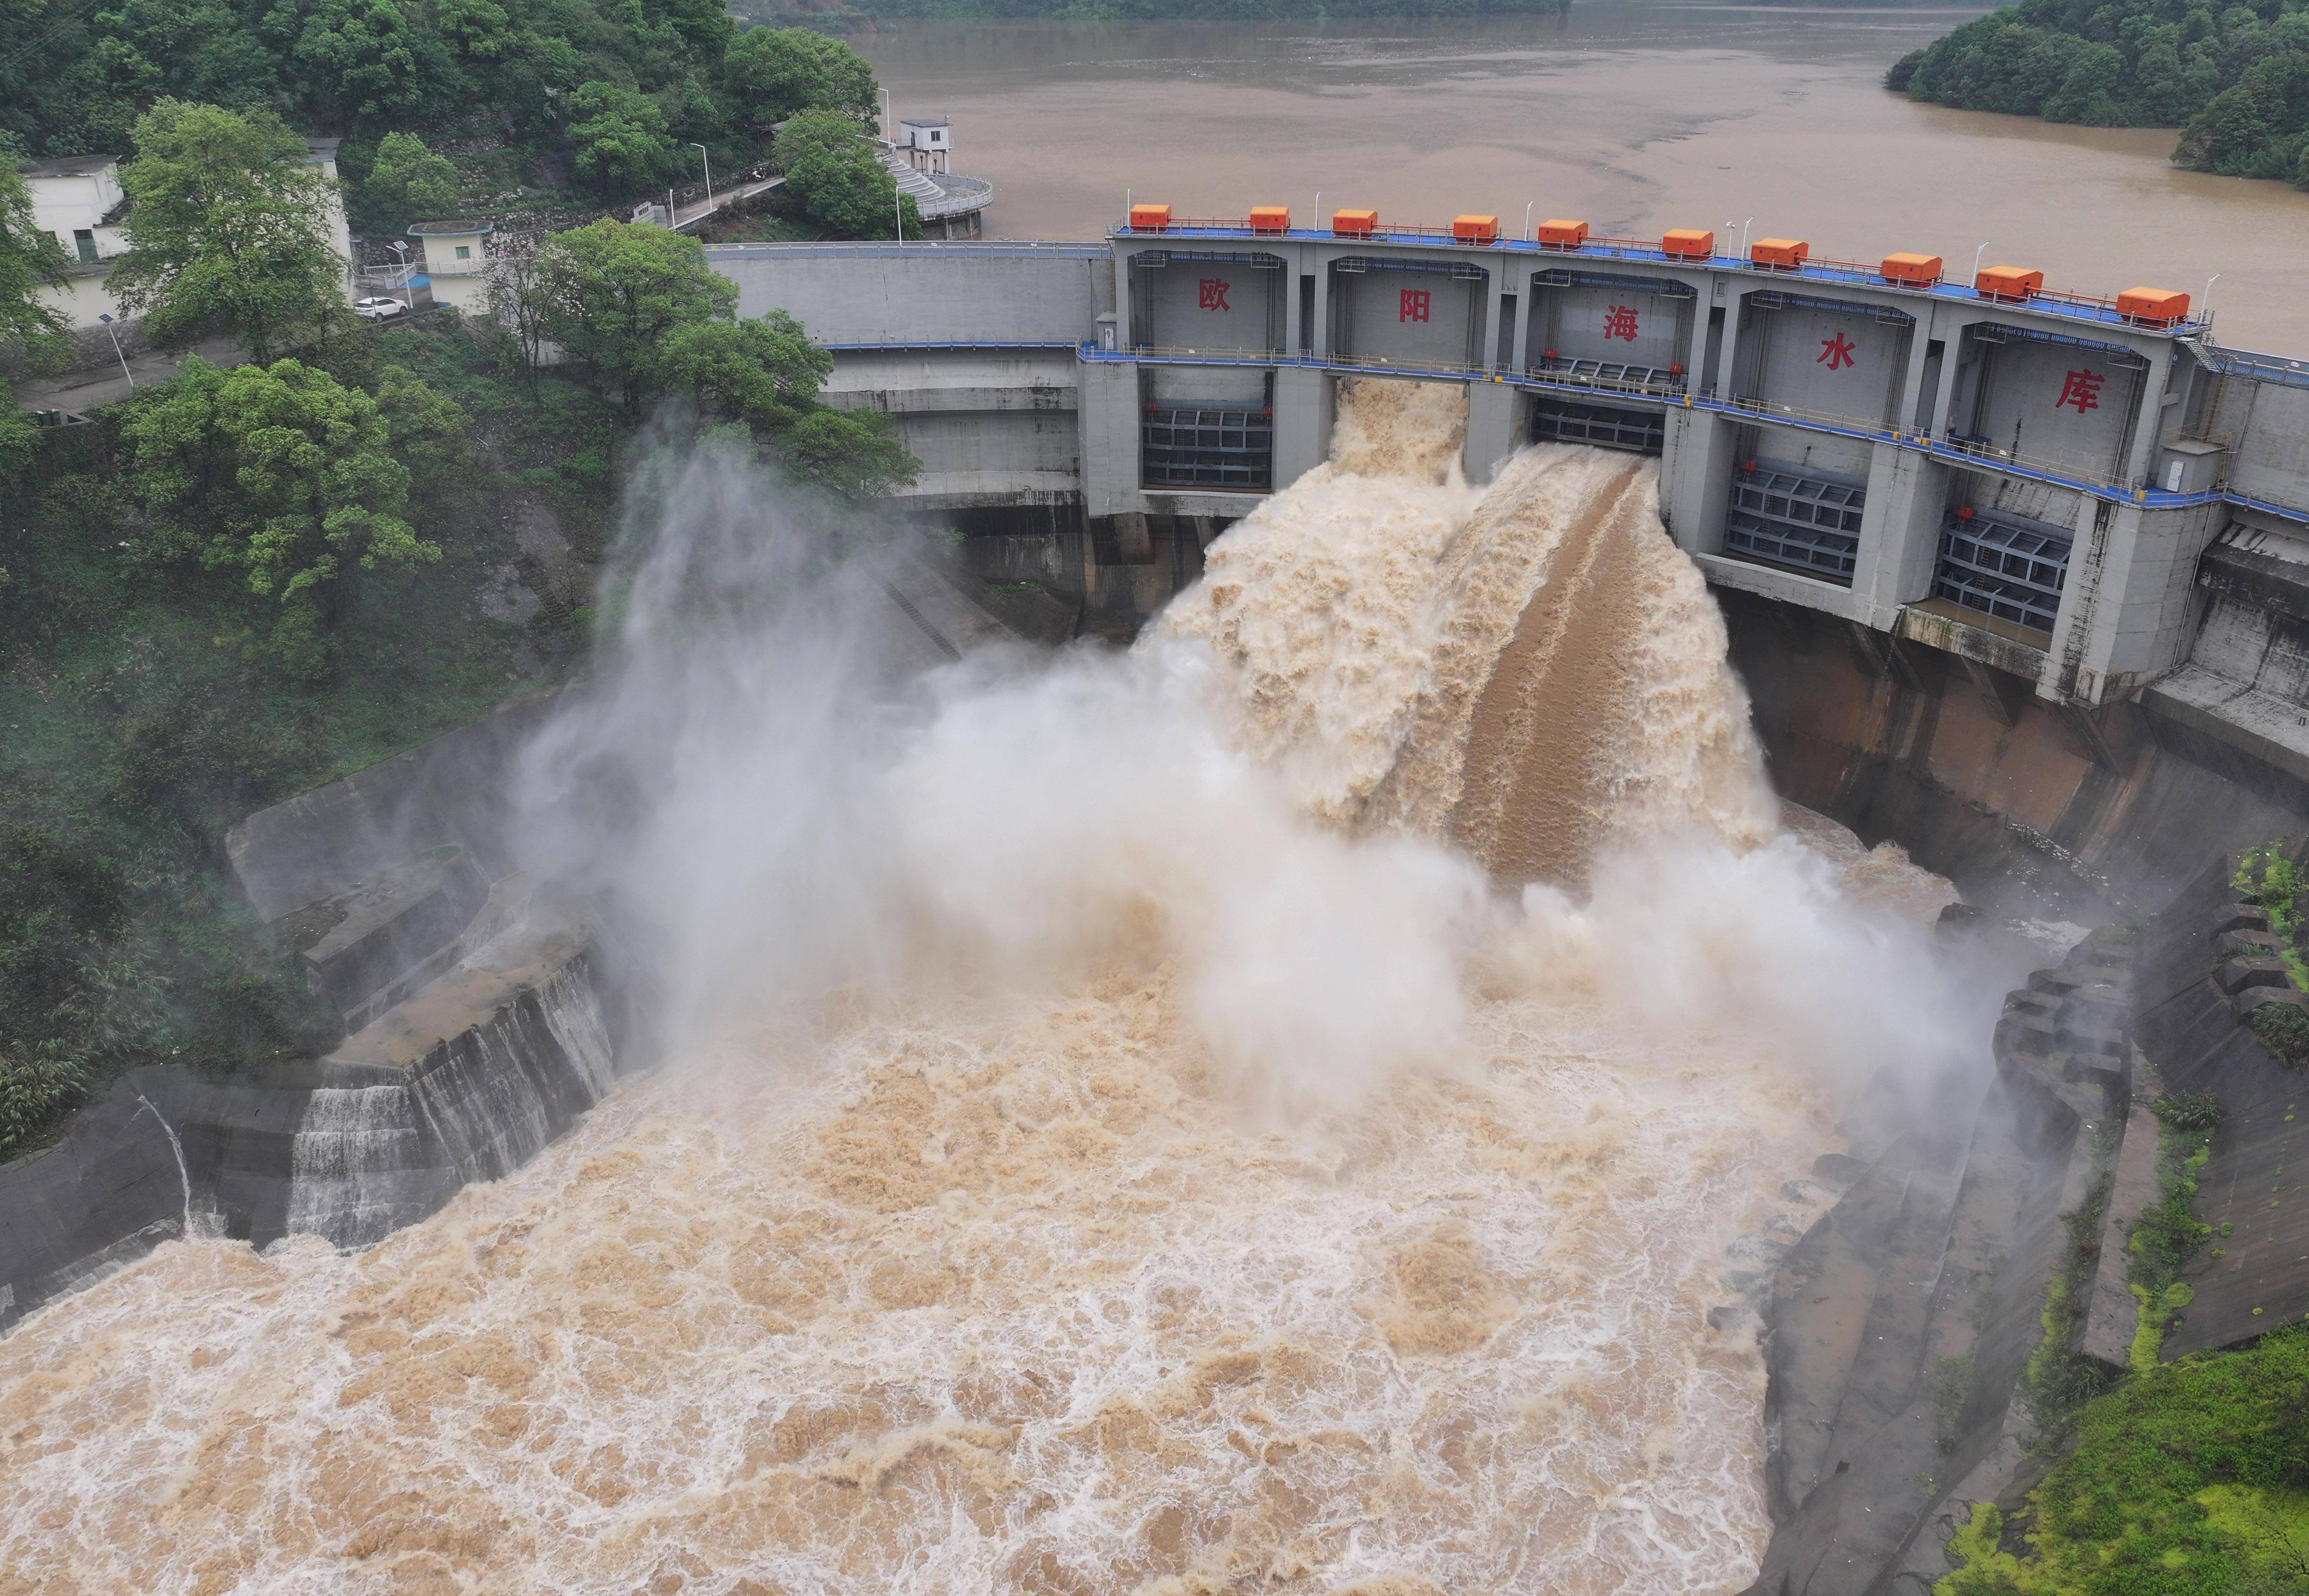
{"points": [[2009, 284], [1354, 224], [1778, 255], [2153, 307], [1474, 230], [1557, 233], [1688, 244], [1910, 271], [1270, 219], [1150, 218]]}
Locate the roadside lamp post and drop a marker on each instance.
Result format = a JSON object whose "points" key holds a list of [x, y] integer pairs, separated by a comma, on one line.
{"points": [[708, 159], [400, 251], [1975, 260], [1743, 238], [2205, 309], [1526, 220], [112, 333]]}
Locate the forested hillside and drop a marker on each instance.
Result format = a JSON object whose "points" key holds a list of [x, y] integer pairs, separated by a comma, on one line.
{"points": [[244, 579], [601, 95], [1212, 10], [2235, 81]]}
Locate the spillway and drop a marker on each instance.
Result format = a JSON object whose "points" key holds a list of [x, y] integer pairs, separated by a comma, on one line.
{"points": [[1286, 1106]]}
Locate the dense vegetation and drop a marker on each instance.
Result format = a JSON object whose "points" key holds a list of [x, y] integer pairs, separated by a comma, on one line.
{"points": [[248, 579], [2234, 79], [158, 681], [1212, 10], [2188, 1480], [538, 92]]}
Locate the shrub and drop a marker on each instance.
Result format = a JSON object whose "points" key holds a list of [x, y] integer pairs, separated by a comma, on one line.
{"points": [[34, 1089], [2283, 1029], [2190, 1110]]}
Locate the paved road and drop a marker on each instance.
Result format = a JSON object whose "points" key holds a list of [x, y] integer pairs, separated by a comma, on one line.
{"points": [[686, 214], [105, 385]]}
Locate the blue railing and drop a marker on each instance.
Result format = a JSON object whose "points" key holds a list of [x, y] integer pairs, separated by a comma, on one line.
{"points": [[2101, 313], [2259, 368]]}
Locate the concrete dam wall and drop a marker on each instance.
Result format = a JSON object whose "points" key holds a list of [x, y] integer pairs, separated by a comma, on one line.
{"points": [[2055, 655], [2092, 510]]}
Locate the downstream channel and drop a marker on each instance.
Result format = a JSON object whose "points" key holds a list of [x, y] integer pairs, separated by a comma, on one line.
{"points": [[1111, 1141]]}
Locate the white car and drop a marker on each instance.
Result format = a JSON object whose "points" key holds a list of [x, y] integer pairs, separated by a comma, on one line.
{"points": [[378, 310]]}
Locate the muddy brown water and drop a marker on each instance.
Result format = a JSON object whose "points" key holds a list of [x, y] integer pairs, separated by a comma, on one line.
{"points": [[1634, 117]]}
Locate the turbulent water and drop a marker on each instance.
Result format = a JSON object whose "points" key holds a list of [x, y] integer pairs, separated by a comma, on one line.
{"points": [[1188, 1170]]}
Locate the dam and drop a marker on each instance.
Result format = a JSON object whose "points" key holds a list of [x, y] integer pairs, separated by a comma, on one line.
{"points": [[2037, 482], [1366, 1089]]}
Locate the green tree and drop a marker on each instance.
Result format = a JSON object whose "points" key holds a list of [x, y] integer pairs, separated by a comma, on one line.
{"points": [[31, 332], [856, 453], [808, 132], [620, 138], [765, 373], [2255, 129], [357, 59], [430, 430], [611, 292], [282, 474], [407, 182], [775, 71], [639, 305], [850, 193], [230, 230]]}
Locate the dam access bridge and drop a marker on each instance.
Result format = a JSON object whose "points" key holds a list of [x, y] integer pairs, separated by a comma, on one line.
{"points": [[2087, 494]]}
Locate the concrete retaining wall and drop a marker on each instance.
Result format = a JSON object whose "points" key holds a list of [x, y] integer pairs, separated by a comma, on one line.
{"points": [[166, 1154], [925, 293]]}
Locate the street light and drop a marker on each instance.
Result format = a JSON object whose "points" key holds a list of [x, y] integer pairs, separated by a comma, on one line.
{"points": [[117, 355], [1743, 238], [1976, 262], [1526, 220], [407, 298], [709, 176], [2205, 309]]}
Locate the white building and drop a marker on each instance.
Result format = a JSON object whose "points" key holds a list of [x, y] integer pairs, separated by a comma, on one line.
{"points": [[926, 142], [79, 199], [454, 258]]}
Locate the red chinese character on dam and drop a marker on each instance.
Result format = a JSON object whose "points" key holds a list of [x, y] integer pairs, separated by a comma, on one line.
{"points": [[1214, 295], [1415, 306], [1621, 323], [1836, 353], [2082, 390]]}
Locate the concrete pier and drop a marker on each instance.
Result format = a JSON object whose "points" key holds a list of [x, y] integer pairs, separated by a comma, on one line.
{"points": [[2049, 490]]}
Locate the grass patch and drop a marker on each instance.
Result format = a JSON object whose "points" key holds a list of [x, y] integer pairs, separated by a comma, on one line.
{"points": [[2056, 1380], [2170, 1234], [2189, 1479]]}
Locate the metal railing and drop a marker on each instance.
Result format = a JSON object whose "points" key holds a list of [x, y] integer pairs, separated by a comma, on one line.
{"points": [[1860, 273]]}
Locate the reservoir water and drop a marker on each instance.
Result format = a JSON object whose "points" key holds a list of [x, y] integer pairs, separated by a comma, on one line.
{"points": [[1635, 117]]}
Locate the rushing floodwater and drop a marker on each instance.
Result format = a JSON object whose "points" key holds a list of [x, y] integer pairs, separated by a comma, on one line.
{"points": [[1636, 116], [1115, 1145]]}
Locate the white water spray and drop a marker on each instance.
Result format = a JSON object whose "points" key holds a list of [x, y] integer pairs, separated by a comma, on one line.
{"points": [[1119, 1144]]}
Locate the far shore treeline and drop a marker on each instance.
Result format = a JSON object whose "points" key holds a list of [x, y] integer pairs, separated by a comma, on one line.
{"points": [[2234, 79]]}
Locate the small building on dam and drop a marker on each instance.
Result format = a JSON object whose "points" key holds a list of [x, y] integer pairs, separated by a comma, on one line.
{"points": [[2087, 497]]}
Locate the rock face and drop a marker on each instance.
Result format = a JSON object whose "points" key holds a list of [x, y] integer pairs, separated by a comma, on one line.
{"points": [[1900, 1323], [2255, 1188]]}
